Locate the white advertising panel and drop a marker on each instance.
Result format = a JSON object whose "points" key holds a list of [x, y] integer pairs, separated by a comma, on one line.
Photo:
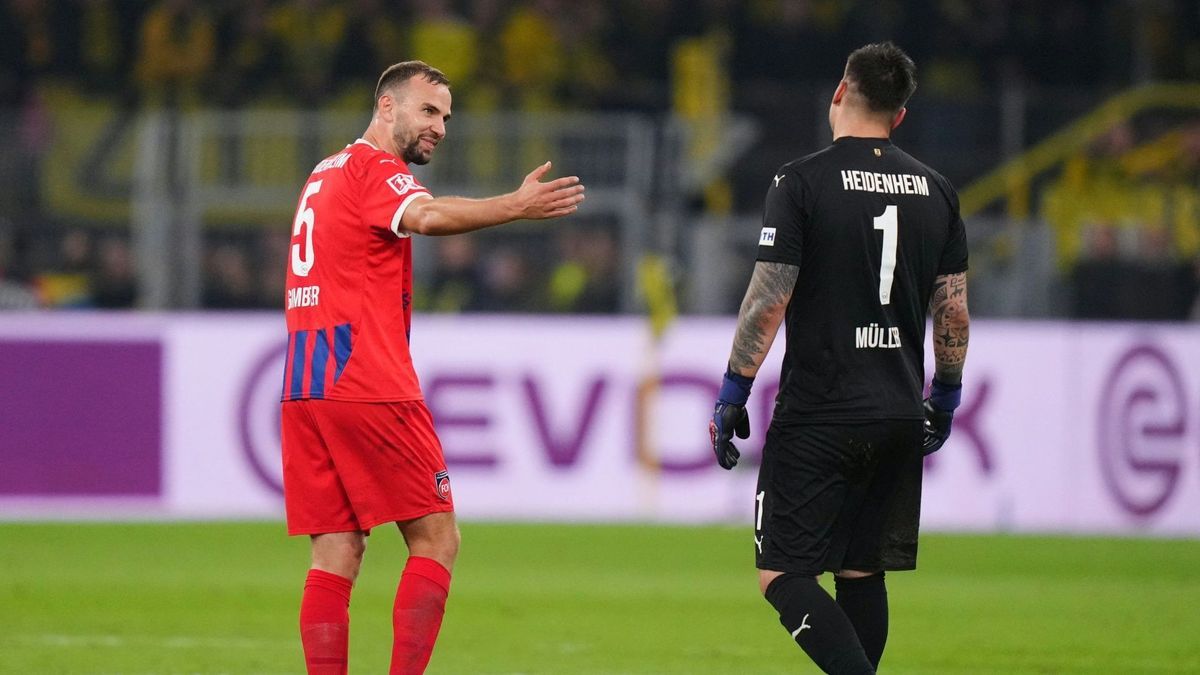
{"points": [[1064, 427]]}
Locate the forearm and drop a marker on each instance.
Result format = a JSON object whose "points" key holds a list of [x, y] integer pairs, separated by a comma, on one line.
{"points": [[951, 327], [440, 216], [761, 313]]}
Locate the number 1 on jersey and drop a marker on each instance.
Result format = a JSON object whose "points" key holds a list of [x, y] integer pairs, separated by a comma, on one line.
{"points": [[887, 263]]}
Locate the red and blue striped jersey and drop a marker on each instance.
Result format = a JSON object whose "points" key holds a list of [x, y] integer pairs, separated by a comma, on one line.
{"points": [[349, 281]]}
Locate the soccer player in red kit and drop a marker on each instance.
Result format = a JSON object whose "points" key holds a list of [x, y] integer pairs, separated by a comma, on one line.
{"points": [[359, 448]]}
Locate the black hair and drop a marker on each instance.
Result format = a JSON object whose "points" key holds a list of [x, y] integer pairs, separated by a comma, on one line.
{"points": [[883, 74]]}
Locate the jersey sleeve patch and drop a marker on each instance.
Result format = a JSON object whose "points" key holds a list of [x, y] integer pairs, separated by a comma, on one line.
{"points": [[784, 216], [403, 184]]}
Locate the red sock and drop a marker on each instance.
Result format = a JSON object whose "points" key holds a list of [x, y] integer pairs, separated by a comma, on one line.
{"points": [[325, 622], [417, 614]]}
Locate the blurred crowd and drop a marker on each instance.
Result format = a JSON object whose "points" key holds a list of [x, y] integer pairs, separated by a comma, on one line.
{"points": [[1126, 222], [567, 53], [683, 57]]}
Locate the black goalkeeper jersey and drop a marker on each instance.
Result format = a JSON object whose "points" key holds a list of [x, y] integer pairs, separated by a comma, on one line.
{"points": [[870, 229]]}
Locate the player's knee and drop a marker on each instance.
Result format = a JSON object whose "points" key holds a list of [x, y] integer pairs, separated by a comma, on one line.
{"points": [[356, 549], [765, 577], [350, 549], [447, 546], [443, 543], [339, 553], [436, 538]]}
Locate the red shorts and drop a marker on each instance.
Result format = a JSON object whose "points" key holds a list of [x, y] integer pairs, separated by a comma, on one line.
{"points": [[352, 466]]}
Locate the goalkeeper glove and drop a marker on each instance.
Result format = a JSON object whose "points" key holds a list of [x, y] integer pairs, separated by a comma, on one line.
{"points": [[939, 414], [729, 417]]}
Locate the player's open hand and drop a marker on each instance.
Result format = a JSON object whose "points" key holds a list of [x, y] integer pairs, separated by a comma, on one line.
{"points": [[559, 197]]}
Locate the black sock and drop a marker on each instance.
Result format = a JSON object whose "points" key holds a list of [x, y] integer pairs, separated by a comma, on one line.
{"points": [[864, 600], [817, 624]]}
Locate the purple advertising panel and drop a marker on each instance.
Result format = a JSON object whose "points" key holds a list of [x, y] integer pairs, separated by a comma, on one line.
{"points": [[80, 418]]}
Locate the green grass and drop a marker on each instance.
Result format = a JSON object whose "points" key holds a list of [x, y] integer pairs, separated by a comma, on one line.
{"points": [[222, 598]]}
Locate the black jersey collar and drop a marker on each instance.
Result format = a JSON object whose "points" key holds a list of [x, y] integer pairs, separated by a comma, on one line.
{"points": [[862, 139]]}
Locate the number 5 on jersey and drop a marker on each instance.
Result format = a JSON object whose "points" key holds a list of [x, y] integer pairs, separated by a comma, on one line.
{"points": [[887, 262], [302, 263]]}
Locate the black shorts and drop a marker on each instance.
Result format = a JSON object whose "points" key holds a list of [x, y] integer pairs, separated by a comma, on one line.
{"points": [[839, 496]]}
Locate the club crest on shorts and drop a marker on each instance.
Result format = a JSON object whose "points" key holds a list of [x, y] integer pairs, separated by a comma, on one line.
{"points": [[441, 482]]}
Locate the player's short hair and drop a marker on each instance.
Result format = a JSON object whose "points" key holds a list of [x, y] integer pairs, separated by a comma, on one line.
{"points": [[401, 72], [883, 74]]}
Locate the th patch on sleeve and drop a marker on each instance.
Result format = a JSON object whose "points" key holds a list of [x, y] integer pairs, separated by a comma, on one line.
{"points": [[767, 237]]}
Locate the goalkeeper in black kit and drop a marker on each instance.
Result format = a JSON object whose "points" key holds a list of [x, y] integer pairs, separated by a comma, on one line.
{"points": [[858, 241]]}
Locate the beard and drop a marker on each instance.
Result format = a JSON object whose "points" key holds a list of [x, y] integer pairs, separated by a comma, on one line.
{"points": [[411, 151]]}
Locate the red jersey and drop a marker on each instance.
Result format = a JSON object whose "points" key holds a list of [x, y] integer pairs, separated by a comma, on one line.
{"points": [[349, 281]]}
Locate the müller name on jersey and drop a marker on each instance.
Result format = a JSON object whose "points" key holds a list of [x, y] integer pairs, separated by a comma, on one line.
{"points": [[875, 336], [303, 296], [890, 183]]}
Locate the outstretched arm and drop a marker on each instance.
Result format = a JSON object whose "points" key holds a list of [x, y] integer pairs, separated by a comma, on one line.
{"points": [[951, 327], [533, 200], [762, 311]]}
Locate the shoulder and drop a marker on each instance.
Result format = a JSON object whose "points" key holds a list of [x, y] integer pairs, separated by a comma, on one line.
{"points": [[946, 187], [375, 167], [805, 174], [792, 176], [810, 163], [376, 160], [943, 184], [357, 160]]}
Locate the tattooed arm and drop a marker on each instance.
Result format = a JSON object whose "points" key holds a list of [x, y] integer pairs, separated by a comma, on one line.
{"points": [[951, 326], [761, 313]]}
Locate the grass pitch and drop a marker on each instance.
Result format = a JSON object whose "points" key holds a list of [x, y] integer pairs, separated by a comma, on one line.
{"points": [[223, 598]]}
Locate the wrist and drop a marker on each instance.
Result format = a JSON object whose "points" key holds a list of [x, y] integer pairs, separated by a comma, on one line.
{"points": [[512, 206], [735, 388], [945, 396]]}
